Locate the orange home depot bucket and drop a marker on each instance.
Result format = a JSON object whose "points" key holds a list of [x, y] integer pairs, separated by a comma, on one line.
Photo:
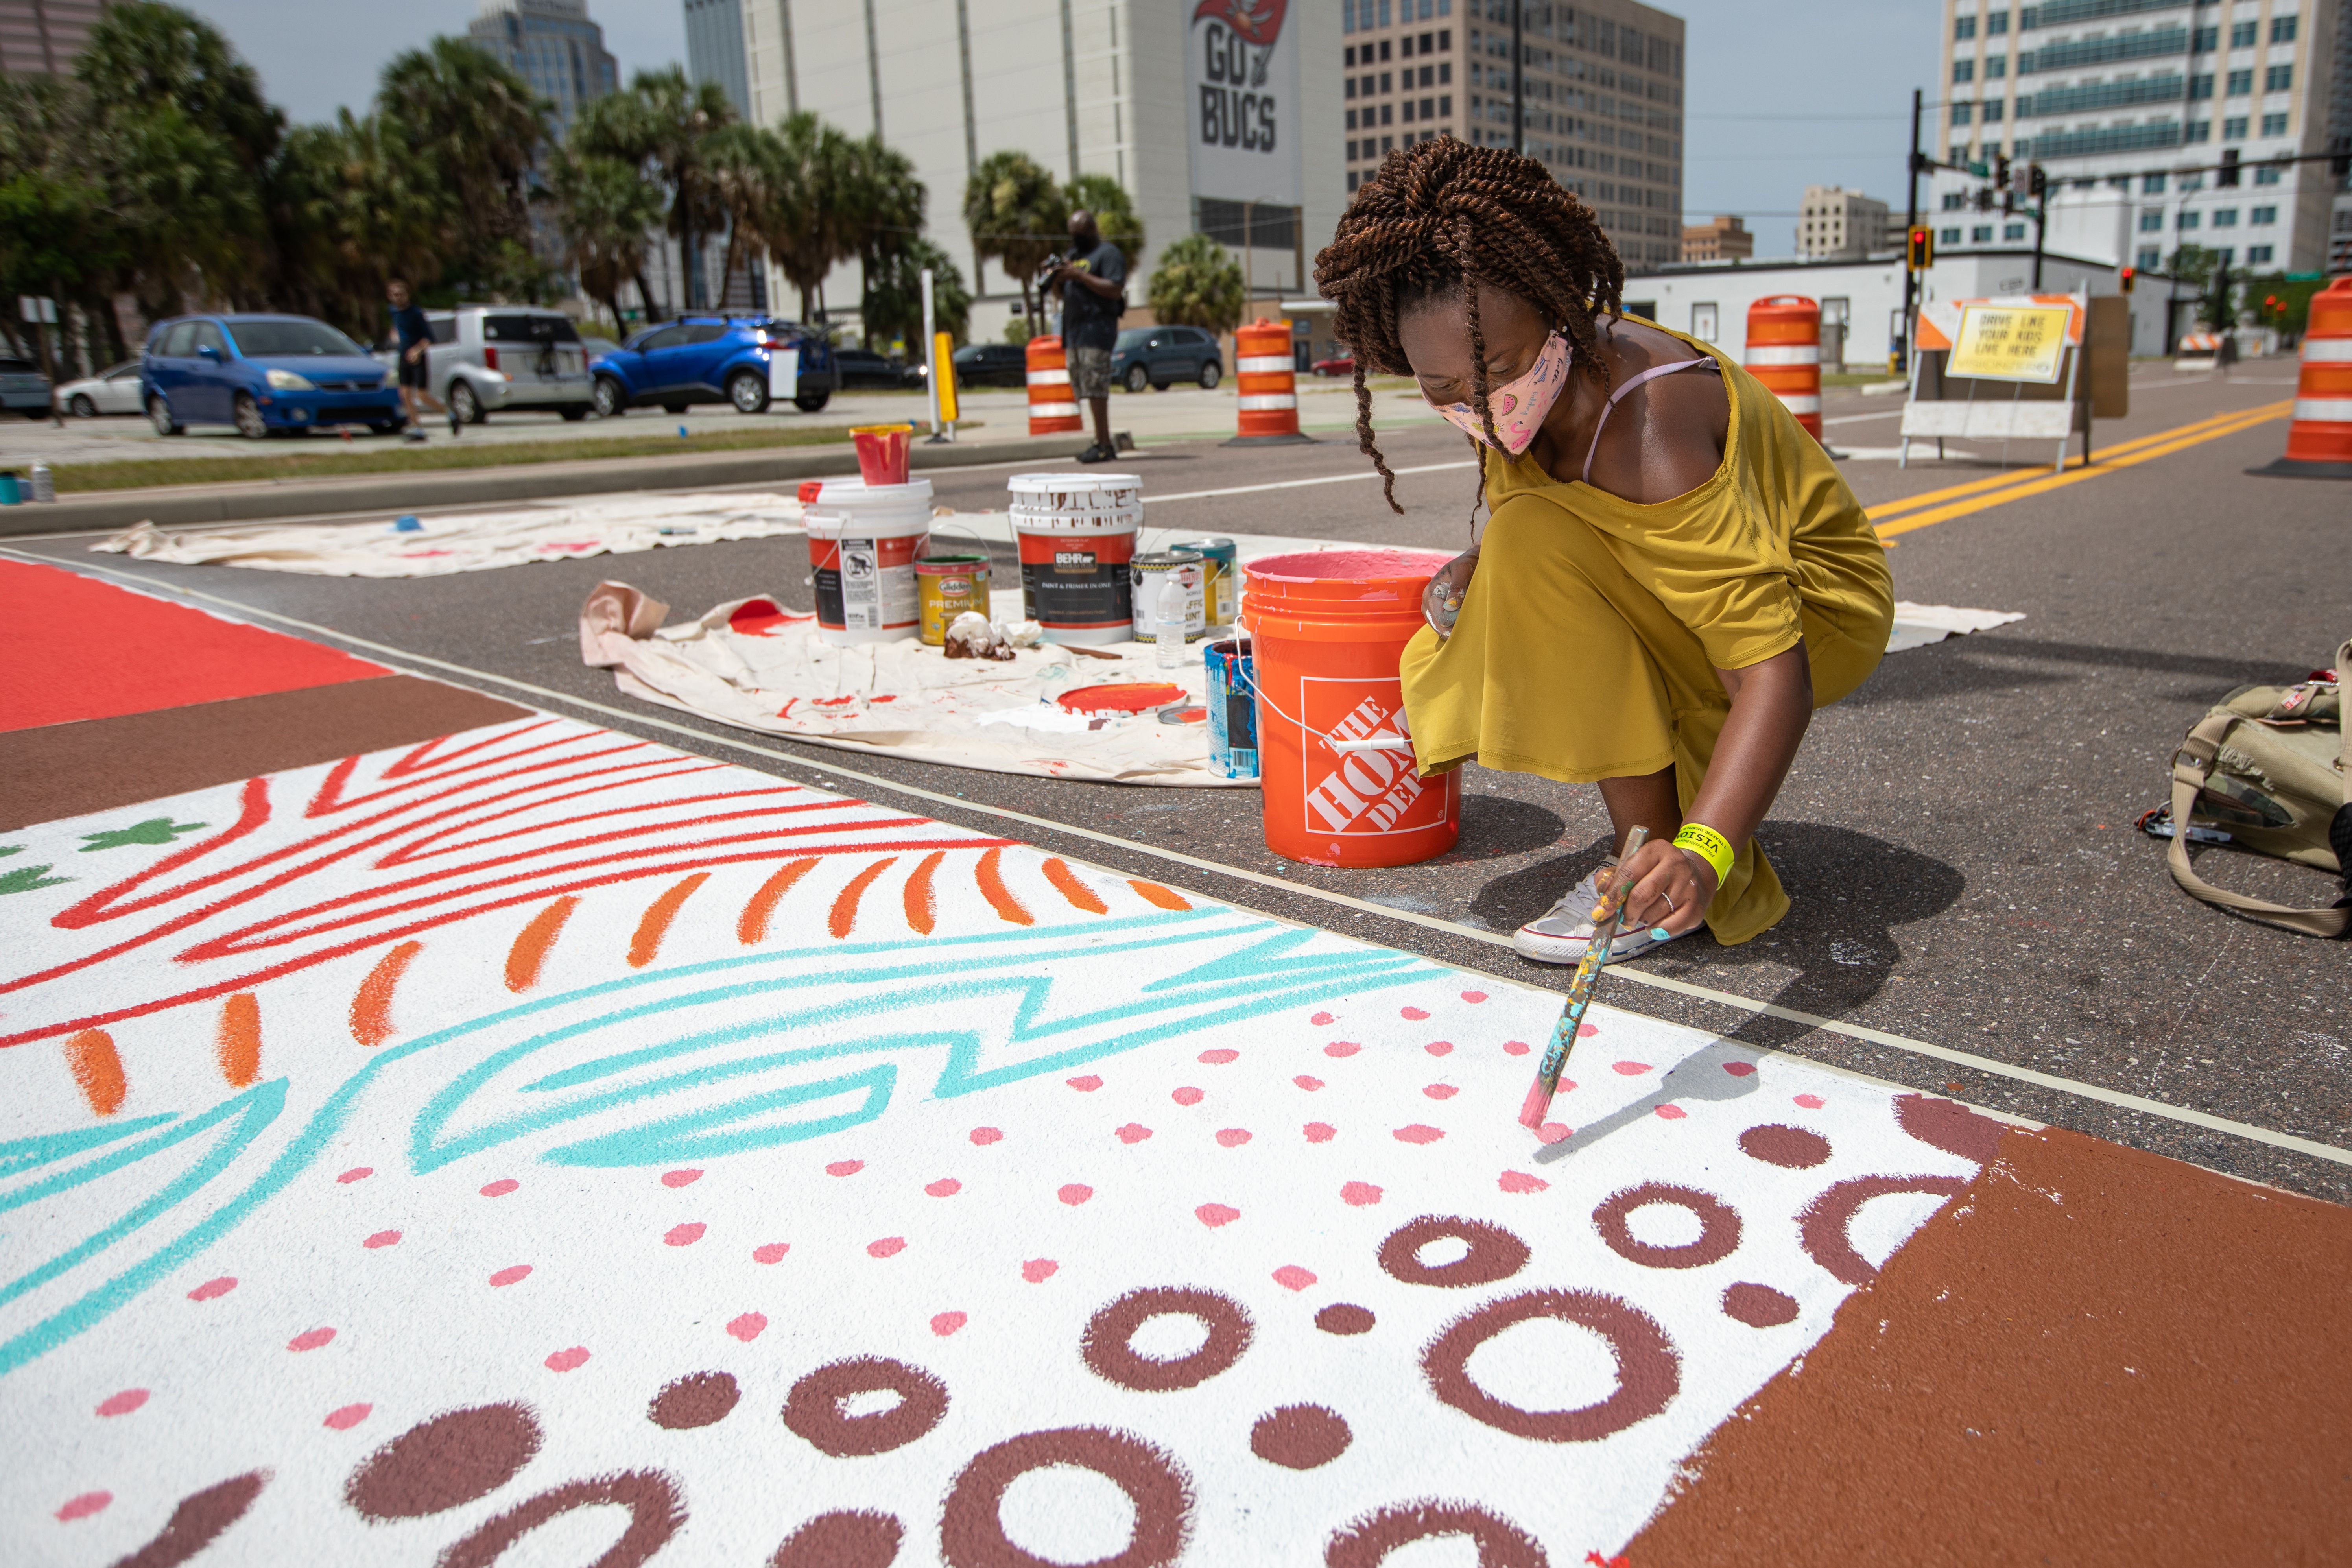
{"points": [[1329, 628]]}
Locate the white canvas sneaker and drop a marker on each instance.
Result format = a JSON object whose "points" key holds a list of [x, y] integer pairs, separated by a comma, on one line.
{"points": [[1561, 935]]}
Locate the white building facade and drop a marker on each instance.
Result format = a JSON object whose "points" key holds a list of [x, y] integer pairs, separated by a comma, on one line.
{"points": [[1836, 223]]}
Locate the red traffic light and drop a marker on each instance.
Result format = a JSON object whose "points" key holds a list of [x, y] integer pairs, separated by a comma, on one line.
{"points": [[2129, 273]]}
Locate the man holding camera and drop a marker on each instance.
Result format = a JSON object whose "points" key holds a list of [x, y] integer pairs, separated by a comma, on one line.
{"points": [[1093, 282]]}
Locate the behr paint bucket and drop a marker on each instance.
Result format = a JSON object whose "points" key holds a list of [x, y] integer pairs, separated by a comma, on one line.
{"points": [[1076, 536], [1221, 580], [863, 541], [1233, 707], [1338, 782], [945, 588], [1151, 571]]}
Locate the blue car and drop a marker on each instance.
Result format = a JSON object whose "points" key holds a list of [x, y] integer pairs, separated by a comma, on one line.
{"points": [[262, 374], [712, 359]]}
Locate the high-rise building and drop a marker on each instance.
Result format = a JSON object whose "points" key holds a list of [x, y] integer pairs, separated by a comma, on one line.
{"points": [[2339, 139], [1596, 93], [41, 38], [1836, 223], [714, 49], [554, 47], [2157, 123], [1721, 239]]}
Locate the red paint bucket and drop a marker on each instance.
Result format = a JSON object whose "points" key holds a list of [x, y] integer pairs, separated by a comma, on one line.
{"points": [[882, 452], [1336, 770]]}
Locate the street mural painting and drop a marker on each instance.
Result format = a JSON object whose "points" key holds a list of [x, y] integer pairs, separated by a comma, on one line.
{"points": [[539, 1134]]}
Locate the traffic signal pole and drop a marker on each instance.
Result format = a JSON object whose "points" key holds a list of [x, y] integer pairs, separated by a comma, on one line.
{"points": [[1518, 87], [1910, 223]]}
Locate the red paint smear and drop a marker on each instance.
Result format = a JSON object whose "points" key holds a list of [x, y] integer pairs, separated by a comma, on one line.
{"points": [[1321, 1019], [1074, 892], [1439, 1047], [773, 1252], [1086, 1084], [748, 1326], [1419, 1132], [1630, 1069], [751, 925], [310, 1339], [945, 1188], [565, 1360], [122, 1403], [674, 1178], [921, 905], [1037, 1270], [1233, 1137], [1291, 1277], [1740, 1069], [645, 945], [211, 1287], [1440, 1091], [1515, 1048], [508, 1276], [843, 915], [356, 1173], [1219, 1057], [990, 875], [1812, 1102], [1342, 1048], [500, 1187], [985, 1135], [1474, 995], [1672, 1113], [1187, 1095], [1215, 1215], [1584, 1031], [1074, 1193], [845, 1167], [1134, 1132], [685, 1235], [1520, 1182], [344, 1418], [1309, 1084], [1359, 1194], [83, 1506], [1120, 697], [1153, 893], [1555, 1131], [383, 1238], [1415, 1014], [372, 1003], [888, 1246], [945, 1323], [760, 617], [1320, 1132]]}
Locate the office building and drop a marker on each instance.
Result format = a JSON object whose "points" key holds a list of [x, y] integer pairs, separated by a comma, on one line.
{"points": [[1720, 239], [42, 37], [2157, 122], [2339, 137], [552, 45], [1834, 224], [1598, 91], [714, 49]]}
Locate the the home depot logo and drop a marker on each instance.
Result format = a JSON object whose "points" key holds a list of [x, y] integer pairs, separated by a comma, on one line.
{"points": [[1353, 792]]}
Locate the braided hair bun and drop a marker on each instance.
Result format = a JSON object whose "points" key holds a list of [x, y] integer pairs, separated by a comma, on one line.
{"points": [[1443, 215]]}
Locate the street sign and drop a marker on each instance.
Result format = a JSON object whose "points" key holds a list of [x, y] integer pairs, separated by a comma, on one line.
{"points": [[44, 310], [2010, 343]]}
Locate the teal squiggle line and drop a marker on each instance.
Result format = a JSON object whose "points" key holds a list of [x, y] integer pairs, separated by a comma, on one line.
{"points": [[661, 1142], [48, 1148]]}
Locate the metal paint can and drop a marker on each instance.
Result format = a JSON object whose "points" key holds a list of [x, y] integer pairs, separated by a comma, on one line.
{"points": [[1151, 571], [945, 588], [1233, 707], [1220, 585]]}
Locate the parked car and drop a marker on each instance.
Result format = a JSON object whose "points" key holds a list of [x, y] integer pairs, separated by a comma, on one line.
{"points": [[262, 374], [1340, 364], [596, 348], [115, 391], [485, 358], [864, 368], [712, 359], [991, 364], [1158, 356], [22, 387]]}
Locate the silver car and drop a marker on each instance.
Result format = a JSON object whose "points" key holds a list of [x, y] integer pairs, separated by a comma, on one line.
{"points": [[485, 358], [22, 388], [115, 391]]}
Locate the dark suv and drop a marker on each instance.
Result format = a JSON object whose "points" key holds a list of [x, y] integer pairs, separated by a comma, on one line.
{"points": [[1158, 356], [991, 364], [714, 359]]}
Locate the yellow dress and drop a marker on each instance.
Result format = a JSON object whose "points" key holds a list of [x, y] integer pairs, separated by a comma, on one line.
{"points": [[1588, 643]]}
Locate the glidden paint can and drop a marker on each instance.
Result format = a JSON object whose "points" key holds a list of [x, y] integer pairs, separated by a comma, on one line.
{"points": [[946, 587], [1151, 571], [1221, 577], [1233, 707]]}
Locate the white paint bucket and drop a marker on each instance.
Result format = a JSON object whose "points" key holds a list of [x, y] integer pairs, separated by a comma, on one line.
{"points": [[1076, 537], [862, 541]]}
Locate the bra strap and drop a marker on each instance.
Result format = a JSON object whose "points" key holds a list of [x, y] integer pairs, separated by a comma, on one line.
{"points": [[1610, 407]]}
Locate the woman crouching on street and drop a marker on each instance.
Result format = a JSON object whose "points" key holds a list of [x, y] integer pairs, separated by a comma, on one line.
{"points": [[1674, 575]]}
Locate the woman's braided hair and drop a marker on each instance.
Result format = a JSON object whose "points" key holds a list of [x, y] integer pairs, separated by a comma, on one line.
{"points": [[1440, 217]]}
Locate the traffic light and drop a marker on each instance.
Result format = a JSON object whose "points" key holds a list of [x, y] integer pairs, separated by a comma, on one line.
{"points": [[2036, 182], [2130, 274], [2000, 178], [1984, 198], [1922, 248]]}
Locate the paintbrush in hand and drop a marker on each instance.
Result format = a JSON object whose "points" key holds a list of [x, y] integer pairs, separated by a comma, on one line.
{"points": [[1606, 918]]}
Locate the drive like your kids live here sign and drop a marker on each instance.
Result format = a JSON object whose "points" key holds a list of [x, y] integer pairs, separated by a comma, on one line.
{"points": [[1241, 80], [2010, 343]]}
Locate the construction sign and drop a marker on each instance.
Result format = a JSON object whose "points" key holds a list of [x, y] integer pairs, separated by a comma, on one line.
{"points": [[2011, 342]]}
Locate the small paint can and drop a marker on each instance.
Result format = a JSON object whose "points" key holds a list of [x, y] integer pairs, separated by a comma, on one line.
{"points": [[945, 588], [1233, 707], [1151, 571], [1221, 580], [45, 484]]}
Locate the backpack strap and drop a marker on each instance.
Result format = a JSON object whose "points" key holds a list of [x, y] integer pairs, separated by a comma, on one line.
{"points": [[2191, 765]]}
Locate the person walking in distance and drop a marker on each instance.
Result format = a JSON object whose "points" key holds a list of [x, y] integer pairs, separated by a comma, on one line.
{"points": [[416, 350], [1093, 282]]}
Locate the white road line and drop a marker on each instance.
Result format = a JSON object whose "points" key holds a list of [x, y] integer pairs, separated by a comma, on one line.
{"points": [[2116, 1097], [1297, 484], [1858, 418]]}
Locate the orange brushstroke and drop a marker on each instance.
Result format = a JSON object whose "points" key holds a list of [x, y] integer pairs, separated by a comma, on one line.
{"points": [[1059, 872], [658, 914], [922, 909], [992, 886], [372, 1003], [530, 948], [240, 1039], [753, 927], [1166, 898], [95, 1066], [845, 904]]}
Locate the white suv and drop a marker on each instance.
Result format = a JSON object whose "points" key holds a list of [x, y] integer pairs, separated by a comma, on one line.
{"points": [[490, 357]]}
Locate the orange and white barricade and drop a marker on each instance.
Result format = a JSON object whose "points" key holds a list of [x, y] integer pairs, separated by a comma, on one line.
{"points": [[1268, 383], [1053, 405], [1948, 406], [2319, 441], [1784, 353]]}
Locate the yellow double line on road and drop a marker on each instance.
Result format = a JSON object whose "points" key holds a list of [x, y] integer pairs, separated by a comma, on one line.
{"points": [[1940, 506]]}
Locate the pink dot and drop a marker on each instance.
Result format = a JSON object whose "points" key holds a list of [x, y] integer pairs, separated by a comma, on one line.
{"points": [[1520, 1182], [1567, 1085], [565, 1360], [1740, 1069], [1630, 1069], [1359, 1194], [748, 1326], [1309, 1084], [1440, 1091], [985, 1135], [211, 1287], [1291, 1277], [1233, 1137], [1415, 1014], [1516, 1047], [845, 1167], [1134, 1132], [1219, 1057], [1321, 1019], [83, 1506], [1320, 1132], [773, 1252], [356, 1173], [1439, 1047], [1672, 1113], [1585, 1031], [344, 1418], [383, 1238], [1474, 995], [1555, 1131], [685, 1178], [1342, 1048], [946, 1323], [1086, 1085], [1419, 1132], [1075, 1194], [685, 1235], [1215, 1215], [945, 1188], [888, 1246], [1037, 1270], [1187, 1095], [513, 1274], [506, 1184], [310, 1339], [1810, 1102], [122, 1403]]}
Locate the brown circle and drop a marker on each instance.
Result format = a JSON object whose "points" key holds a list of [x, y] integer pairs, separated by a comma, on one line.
{"points": [[651, 1498], [1368, 1542], [1791, 1148], [972, 1533], [444, 1462], [812, 1409], [198, 1520], [697, 1399], [1300, 1436], [1822, 1227], [1494, 1253], [1109, 1354], [1758, 1306], [1718, 1235], [1649, 1372], [858, 1539], [1345, 1317]]}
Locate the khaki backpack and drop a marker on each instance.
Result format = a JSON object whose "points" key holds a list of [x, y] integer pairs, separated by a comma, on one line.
{"points": [[2271, 768]]}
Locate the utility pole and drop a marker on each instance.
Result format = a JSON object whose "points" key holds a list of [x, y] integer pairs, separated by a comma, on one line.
{"points": [[2040, 230], [1518, 87], [1910, 222]]}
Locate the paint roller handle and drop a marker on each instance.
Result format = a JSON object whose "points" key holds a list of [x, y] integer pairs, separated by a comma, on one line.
{"points": [[1606, 918]]}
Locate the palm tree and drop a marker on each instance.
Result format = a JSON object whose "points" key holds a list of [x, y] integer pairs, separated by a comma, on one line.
{"points": [[888, 202], [603, 209], [747, 170], [1017, 215], [808, 227], [664, 121], [1198, 284], [1114, 212], [894, 296], [454, 109]]}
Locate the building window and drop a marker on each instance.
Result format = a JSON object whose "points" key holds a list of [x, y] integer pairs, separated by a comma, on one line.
{"points": [[2227, 255], [1955, 200], [2189, 220], [1995, 67], [1350, 89], [1964, 28], [1351, 120], [2241, 83], [2274, 124], [1992, 111], [1388, 143], [1385, 79], [1962, 113], [2151, 184], [1353, 179], [2258, 255], [2225, 218], [1427, 104], [2235, 128], [2279, 79], [1980, 234], [2192, 181], [1445, 105], [2012, 231], [2148, 258], [2151, 221], [1964, 71], [2263, 216], [1444, 35], [1444, 72], [1997, 24], [2205, 40], [2200, 130], [1407, 107], [1949, 237], [2267, 176], [2282, 29], [1384, 46], [2202, 88], [2242, 36]]}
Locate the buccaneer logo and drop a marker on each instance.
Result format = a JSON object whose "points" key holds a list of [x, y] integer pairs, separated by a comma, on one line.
{"points": [[1258, 21], [1237, 45]]}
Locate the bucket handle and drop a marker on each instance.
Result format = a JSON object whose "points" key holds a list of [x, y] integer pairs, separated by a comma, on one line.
{"points": [[1345, 748]]}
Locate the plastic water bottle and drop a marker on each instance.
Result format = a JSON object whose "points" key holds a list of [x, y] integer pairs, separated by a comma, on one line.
{"points": [[1167, 624]]}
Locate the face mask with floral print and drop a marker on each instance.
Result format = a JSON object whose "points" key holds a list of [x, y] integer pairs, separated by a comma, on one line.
{"points": [[1519, 407]]}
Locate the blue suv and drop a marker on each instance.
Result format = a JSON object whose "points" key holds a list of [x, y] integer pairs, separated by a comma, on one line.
{"points": [[262, 374], [712, 359]]}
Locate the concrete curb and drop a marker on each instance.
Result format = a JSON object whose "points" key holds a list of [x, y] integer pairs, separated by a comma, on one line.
{"points": [[181, 506]]}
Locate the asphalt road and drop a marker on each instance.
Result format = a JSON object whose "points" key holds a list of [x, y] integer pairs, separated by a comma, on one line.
{"points": [[1958, 835]]}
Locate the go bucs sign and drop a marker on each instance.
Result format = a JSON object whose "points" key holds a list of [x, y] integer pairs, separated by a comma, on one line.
{"points": [[1241, 74]]}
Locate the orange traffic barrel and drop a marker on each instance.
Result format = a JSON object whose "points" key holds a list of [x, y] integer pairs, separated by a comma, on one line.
{"points": [[1784, 353], [2319, 441], [1338, 781], [1268, 383], [1053, 411]]}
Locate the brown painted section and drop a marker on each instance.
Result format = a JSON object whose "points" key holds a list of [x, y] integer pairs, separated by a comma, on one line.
{"points": [[2093, 1356], [97, 764]]}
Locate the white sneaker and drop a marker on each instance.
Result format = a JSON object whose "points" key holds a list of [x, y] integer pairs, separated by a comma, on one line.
{"points": [[1561, 935]]}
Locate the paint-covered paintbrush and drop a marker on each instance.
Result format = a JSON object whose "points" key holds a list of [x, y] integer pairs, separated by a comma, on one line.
{"points": [[1606, 918]]}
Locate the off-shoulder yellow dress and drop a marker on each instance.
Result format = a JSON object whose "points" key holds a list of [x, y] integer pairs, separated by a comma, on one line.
{"points": [[1588, 644]]}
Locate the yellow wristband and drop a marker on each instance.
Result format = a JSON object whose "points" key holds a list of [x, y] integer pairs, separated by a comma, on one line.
{"points": [[1708, 845]]}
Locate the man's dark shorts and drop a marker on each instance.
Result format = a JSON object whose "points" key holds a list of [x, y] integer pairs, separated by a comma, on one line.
{"points": [[413, 371]]}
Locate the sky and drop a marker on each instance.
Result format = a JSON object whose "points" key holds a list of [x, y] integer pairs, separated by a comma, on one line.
{"points": [[1775, 97]]}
